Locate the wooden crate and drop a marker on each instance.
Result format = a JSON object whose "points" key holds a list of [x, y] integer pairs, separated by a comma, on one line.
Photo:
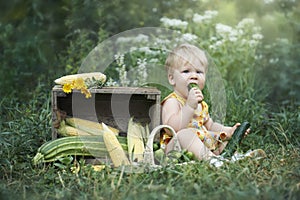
{"points": [[112, 105]]}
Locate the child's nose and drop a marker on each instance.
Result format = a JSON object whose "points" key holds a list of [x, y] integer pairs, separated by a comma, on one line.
{"points": [[194, 76]]}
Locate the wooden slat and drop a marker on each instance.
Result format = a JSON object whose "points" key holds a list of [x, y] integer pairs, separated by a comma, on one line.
{"points": [[111, 105], [118, 90]]}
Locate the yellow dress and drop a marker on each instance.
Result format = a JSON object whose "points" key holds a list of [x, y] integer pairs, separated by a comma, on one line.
{"points": [[210, 139]]}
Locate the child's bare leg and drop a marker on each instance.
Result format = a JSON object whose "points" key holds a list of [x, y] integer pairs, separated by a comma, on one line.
{"points": [[190, 141]]}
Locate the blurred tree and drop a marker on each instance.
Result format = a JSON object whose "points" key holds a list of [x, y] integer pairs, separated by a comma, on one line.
{"points": [[31, 35], [281, 55], [40, 38]]}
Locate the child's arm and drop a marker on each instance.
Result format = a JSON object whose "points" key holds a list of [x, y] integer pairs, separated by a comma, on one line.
{"points": [[175, 115], [217, 127]]}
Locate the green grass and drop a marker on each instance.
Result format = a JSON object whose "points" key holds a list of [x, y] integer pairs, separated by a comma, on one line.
{"points": [[25, 126]]}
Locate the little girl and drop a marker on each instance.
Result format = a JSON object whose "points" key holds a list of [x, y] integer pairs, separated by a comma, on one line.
{"points": [[185, 111]]}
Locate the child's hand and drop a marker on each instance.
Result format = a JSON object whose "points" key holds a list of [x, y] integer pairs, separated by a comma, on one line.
{"points": [[235, 127], [194, 97]]}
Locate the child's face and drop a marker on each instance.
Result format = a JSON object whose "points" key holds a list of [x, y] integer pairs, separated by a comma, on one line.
{"points": [[182, 76]]}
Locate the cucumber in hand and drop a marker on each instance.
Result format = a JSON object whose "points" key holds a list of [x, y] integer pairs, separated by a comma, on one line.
{"points": [[235, 140], [192, 85]]}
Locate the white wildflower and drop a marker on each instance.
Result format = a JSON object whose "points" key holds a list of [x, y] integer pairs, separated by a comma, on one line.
{"points": [[141, 38], [273, 60], [258, 57], [188, 37], [198, 18], [110, 82], [211, 13], [240, 32], [225, 31], [257, 36], [244, 41], [146, 50], [162, 43], [246, 22], [123, 76], [176, 23], [212, 47], [219, 43], [232, 38], [133, 49], [208, 15], [119, 59], [153, 60], [142, 74], [268, 1], [233, 33], [213, 38], [253, 43]]}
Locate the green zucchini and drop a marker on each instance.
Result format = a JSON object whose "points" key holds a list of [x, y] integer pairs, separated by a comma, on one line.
{"points": [[235, 140], [78, 152], [87, 147], [192, 85], [73, 145], [89, 152], [76, 146]]}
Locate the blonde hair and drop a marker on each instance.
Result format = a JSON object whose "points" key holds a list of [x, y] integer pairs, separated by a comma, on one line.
{"points": [[185, 54]]}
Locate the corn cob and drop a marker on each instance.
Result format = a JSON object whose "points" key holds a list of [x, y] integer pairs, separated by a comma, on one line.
{"points": [[74, 145], [68, 79], [66, 130], [91, 127], [135, 141], [114, 148], [146, 133]]}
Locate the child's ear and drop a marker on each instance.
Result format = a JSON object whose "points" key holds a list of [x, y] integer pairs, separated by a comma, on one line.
{"points": [[171, 79]]}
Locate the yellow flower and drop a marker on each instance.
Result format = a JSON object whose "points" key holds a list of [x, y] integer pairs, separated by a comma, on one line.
{"points": [[67, 88], [86, 92], [88, 95], [79, 83]]}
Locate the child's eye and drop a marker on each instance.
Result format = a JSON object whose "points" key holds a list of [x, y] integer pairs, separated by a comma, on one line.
{"points": [[185, 71], [199, 72]]}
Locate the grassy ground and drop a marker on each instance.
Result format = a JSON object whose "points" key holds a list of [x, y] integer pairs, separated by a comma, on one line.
{"points": [[24, 127]]}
